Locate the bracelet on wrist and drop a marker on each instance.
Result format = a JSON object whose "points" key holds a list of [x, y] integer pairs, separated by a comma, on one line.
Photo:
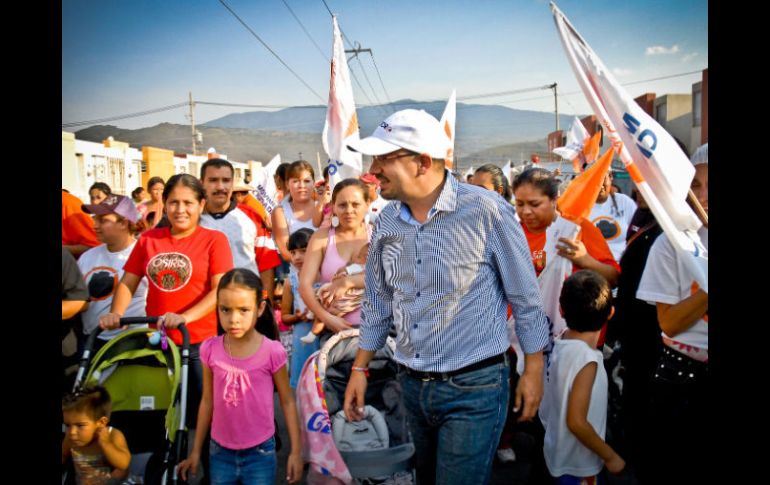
{"points": [[365, 370]]}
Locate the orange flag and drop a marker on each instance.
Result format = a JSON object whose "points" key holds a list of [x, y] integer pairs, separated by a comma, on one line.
{"points": [[579, 198], [591, 150], [577, 164]]}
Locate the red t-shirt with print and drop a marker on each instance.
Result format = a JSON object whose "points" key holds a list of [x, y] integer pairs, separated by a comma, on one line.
{"points": [[179, 273]]}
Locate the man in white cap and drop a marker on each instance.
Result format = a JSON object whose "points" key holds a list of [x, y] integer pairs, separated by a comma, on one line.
{"points": [[445, 261]]}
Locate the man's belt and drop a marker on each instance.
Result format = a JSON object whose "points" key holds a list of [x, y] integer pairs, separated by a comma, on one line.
{"points": [[443, 376]]}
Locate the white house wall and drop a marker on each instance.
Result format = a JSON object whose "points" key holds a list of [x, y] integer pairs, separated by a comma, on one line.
{"points": [[118, 168]]}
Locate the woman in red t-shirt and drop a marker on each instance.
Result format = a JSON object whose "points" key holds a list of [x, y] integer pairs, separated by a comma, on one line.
{"points": [[536, 191], [183, 264]]}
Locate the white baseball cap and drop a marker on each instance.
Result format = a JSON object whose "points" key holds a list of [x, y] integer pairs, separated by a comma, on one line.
{"points": [[412, 129]]}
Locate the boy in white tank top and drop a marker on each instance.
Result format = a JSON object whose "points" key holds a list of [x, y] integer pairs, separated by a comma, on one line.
{"points": [[574, 407]]}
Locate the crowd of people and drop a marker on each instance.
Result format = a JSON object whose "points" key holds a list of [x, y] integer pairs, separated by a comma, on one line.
{"points": [[448, 268]]}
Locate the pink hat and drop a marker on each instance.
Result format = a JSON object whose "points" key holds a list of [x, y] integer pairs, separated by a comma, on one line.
{"points": [[369, 178], [115, 204]]}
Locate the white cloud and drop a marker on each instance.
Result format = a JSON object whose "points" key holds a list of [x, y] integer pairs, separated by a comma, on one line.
{"points": [[659, 49], [619, 71], [689, 57]]}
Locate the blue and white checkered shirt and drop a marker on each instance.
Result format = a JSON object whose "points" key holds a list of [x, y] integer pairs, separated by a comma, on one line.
{"points": [[445, 284]]}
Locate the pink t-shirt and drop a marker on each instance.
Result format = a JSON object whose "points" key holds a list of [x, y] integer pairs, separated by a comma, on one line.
{"points": [[242, 392]]}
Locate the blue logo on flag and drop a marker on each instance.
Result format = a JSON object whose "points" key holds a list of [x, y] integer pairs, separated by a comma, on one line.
{"points": [[319, 422]]}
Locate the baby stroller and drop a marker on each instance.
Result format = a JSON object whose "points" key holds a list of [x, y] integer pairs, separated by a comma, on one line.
{"points": [[148, 387], [377, 450]]}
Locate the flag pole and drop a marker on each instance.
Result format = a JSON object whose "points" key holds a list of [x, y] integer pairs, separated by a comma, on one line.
{"points": [[698, 208]]}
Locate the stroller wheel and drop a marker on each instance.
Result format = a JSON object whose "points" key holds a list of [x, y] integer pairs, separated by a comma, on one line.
{"points": [[155, 471]]}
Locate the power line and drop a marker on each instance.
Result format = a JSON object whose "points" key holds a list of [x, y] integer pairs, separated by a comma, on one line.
{"points": [[342, 32], [504, 93], [537, 88], [486, 95], [367, 80], [327, 8], [361, 87], [663, 77], [572, 93], [353, 74], [271, 50], [306, 32], [122, 117], [350, 68], [267, 106], [387, 96]]}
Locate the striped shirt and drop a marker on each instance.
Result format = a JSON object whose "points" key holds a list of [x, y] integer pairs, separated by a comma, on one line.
{"points": [[445, 284]]}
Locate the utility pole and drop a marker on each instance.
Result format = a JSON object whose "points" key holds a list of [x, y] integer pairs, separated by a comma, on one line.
{"points": [[357, 50], [555, 104], [192, 124]]}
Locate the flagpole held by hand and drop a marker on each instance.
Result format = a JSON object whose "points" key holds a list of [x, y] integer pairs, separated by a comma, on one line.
{"points": [[699, 211]]}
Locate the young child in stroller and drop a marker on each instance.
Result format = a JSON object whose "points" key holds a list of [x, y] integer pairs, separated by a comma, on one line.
{"points": [[99, 453]]}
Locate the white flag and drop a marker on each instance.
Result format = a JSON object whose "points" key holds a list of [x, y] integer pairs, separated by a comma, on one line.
{"points": [[653, 159], [448, 123], [341, 121], [551, 279], [576, 140], [468, 173], [264, 184], [508, 172]]}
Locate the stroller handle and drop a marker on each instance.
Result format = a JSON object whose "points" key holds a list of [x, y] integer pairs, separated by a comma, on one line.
{"points": [[88, 349], [182, 327], [138, 320]]}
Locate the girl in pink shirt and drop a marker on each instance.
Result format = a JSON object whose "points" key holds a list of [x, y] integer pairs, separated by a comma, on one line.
{"points": [[240, 369]]}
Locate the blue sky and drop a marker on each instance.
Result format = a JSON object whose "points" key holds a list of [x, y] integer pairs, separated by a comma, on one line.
{"points": [[122, 57]]}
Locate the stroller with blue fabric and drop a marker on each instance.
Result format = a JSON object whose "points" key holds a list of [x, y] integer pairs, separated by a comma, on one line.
{"points": [[378, 450]]}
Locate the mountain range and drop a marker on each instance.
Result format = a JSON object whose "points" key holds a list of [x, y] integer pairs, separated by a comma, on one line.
{"points": [[485, 133]]}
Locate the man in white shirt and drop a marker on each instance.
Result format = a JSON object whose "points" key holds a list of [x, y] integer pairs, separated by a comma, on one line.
{"points": [[224, 215], [612, 215]]}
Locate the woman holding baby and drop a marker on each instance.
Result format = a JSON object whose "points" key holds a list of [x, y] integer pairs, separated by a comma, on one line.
{"points": [[331, 250]]}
